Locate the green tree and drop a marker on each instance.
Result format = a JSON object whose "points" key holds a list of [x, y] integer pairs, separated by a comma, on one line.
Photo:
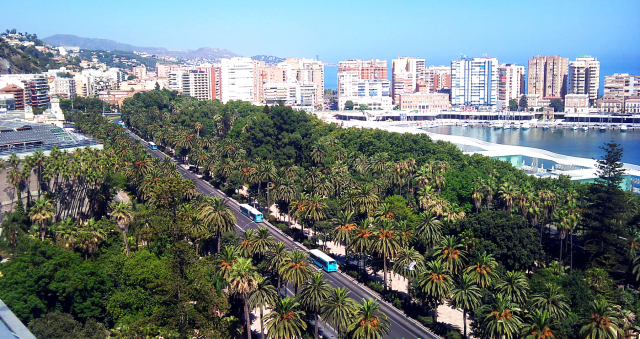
{"points": [[296, 270], [523, 103], [602, 322], [41, 212], [123, 214], [58, 325], [217, 215], [557, 104], [538, 325], [277, 258], [501, 322], [285, 320], [369, 322], [515, 286], [243, 281], [513, 105], [338, 309], [386, 244], [552, 301], [348, 105], [436, 282], [314, 291], [483, 270], [466, 295], [263, 295]]}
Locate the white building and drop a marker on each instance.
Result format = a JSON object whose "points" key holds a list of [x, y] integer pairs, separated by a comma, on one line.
{"points": [[474, 82], [237, 79], [405, 73], [374, 93], [290, 94], [584, 77], [66, 87]]}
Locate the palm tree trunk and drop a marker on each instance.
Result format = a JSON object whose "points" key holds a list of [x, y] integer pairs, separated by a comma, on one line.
{"points": [[464, 321], [246, 316], [219, 240], [126, 243], [384, 261], [42, 232], [317, 319], [279, 286], [261, 324]]}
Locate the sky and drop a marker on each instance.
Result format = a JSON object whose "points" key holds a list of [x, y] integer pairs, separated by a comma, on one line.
{"points": [[438, 31]]}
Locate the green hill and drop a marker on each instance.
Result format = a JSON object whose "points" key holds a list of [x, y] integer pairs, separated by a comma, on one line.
{"points": [[26, 59]]}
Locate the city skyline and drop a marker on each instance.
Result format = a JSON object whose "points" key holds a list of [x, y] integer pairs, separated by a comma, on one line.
{"points": [[508, 31]]}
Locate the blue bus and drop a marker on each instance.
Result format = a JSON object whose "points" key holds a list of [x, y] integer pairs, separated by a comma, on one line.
{"points": [[251, 212], [324, 261], [153, 145]]}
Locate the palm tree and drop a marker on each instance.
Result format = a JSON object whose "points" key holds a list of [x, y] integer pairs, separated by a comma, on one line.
{"points": [[369, 322], [552, 301], [515, 286], [344, 229], [602, 322], [277, 257], [466, 295], [338, 309], [247, 240], [362, 239], [262, 241], [123, 214], [218, 216], [285, 320], [386, 244], [314, 291], [263, 295], [227, 259], [243, 281], [538, 326], [429, 228], [501, 322], [41, 212], [198, 127], [508, 193], [451, 252], [408, 262], [296, 270], [436, 281], [12, 228], [483, 270]]}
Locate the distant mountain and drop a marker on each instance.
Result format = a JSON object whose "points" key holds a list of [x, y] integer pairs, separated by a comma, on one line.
{"points": [[268, 59], [110, 45]]}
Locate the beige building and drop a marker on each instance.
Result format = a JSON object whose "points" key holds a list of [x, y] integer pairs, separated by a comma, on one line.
{"points": [[576, 103], [584, 77], [435, 78], [622, 85], [609, 104], [510, 83], [424, 102], [548, 76], [404, 77]]}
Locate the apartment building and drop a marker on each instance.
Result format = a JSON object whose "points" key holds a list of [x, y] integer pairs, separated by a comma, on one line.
{"points": [[266, 74], [404, 76], [610, 104], [35, 86], [290, 94], [510, 83], [17, 93], [435, 79], [584, 77], [66, 87], [622, 85], [474, 82], [215, 82], [195, 83], [163, 70], [308, 72], [424, 102], [548, 76], [364, 82], [140, 71], [236, 79]]}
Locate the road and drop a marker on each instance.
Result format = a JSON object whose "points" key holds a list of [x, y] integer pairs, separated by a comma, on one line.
{"points": [[401, 326]]}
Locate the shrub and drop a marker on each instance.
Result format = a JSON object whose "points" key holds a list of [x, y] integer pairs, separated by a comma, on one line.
{"points": [[426, 320], [452, 334], [376, 286], [353, 274], [271, 219]]}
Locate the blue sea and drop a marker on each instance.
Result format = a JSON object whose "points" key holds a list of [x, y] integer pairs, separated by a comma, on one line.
{"points": [[562, 141]]}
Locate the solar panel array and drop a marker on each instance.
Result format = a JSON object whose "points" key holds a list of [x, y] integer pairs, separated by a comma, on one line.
{"points": [[47, 134]]}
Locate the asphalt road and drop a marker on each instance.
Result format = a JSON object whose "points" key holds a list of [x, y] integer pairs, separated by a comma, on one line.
{"points": [[401, 326]]}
